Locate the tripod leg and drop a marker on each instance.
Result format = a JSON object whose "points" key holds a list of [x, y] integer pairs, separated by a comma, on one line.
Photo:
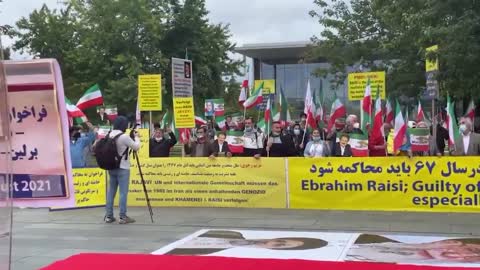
{"points": [[144, 186]]}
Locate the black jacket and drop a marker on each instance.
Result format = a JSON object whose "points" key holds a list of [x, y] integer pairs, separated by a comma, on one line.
{"points": [[162, 148], [215, 148], [346, 153], [284, 149]]}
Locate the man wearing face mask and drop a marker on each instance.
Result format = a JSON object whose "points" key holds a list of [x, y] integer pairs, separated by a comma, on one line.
{"points": [[278, 144], [199, 146], [78, 145], [252, 140], [352, 125], [469, 143], [160, 145]]}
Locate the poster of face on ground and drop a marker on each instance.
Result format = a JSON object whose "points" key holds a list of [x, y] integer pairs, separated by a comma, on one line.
{"points": [[321, 246]]}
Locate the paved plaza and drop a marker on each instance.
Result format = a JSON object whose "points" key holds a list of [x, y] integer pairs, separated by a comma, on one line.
{"points": [[42, 237]]}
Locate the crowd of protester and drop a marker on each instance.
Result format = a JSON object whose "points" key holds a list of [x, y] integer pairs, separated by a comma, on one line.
{"points": [[288, 140]]}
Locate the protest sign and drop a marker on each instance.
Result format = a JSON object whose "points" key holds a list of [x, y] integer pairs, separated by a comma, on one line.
{"points": [[40, 170], [182, 78], [150, 92], [268, 86], [90, 187], [357, 82], [184, 112], [385, 184], [194, 182]]}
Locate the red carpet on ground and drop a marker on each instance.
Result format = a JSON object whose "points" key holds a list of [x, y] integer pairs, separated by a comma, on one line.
{"points": [[157, 262]]}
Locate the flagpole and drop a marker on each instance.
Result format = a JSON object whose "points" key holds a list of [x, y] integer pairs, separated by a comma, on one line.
{"points": [[305, 131]]}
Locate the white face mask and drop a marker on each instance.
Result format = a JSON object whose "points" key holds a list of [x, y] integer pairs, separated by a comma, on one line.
{"points": [[296, 131], [356, 125], [463, 128]]}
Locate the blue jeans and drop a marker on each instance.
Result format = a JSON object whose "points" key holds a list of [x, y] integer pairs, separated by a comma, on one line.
{"points": [[117, 178]]}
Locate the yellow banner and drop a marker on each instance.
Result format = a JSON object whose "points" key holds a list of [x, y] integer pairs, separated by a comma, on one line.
{"points": [[268, 86], [431, 65], [184, 112], [150, 92], [201, 182], [357, 82], [144, 152], [386, 184], [90, 187]]}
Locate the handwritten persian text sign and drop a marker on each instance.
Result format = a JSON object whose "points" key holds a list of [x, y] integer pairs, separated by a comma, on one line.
{"points": [[200, 182], [90, 187], [39, 168], [357, 82], [386, 184]]}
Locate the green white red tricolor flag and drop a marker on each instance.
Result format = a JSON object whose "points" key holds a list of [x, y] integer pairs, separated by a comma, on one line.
{"points": [[235, 141], [452, 126], [91, 98], [366, 107], [471, 110], [74, 112], [390, 116], [400, 131], [377, 131], [255, 99], [309, 108], [338, 111], [420, 114]]}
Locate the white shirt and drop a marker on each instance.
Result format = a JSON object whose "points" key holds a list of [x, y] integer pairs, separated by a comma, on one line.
{"points": [[466, 142], [316, 150], [220, 147], [124, 142], [342, 149]]}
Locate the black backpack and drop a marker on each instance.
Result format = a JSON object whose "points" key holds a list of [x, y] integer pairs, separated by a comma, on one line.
{"points": [[106, 153]]}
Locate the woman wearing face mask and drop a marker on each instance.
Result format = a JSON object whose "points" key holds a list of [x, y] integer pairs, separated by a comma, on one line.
{"points": [[297, 136], [316, 147]]}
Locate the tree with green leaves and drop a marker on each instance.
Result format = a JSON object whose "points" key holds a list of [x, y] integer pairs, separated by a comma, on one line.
{"points": [[393, 36], [111, 42]]}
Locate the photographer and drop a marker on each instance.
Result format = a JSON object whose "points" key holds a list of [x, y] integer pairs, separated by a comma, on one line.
{"points": [[120, 178]]}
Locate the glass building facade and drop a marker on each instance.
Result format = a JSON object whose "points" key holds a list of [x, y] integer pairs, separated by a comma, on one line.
{"points": [[284, 63]]}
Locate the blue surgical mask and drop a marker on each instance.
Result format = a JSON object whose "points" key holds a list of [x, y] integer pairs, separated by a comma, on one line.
{"points": [[463, 128], [316, 138]]}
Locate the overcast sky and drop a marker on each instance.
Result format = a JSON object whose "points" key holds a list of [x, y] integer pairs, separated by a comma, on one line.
{"points": [[251, 21]]}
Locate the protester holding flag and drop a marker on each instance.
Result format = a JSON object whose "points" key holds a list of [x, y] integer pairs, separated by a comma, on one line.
{"points": [[278, 144], [160, 146], [79, 141], [317, 147]]}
